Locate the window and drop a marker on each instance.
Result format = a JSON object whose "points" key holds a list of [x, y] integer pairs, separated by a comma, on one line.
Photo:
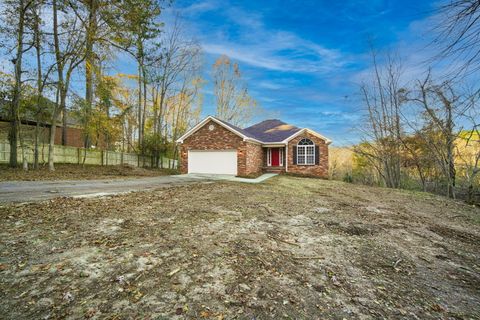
{"points": [[306, 152]]}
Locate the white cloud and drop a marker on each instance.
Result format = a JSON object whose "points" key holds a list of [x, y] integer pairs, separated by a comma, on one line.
{"points": [[417, 52], [200, 7], [280, 51], [257, 45], [270, 85]]}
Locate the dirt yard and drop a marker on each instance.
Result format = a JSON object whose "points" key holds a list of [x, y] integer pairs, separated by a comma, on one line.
{"points": [[289, 248], [78, 172]]}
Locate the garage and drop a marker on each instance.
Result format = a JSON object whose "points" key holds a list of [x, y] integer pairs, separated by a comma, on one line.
{"points": [[212, 161]]}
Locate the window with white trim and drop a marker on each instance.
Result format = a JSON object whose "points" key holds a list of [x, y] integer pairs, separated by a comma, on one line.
{"points": [[306, 152]]}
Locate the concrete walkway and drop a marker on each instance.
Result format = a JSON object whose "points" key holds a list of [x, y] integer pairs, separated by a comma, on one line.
{"points": [[226, 177]]}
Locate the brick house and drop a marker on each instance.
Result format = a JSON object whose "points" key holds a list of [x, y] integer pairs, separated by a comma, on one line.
{"points": [[217, 147], [74, 133]]}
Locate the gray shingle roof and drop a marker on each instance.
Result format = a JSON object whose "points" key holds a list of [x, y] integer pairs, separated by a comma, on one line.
{"points": [[242, 131], [272, 130]]}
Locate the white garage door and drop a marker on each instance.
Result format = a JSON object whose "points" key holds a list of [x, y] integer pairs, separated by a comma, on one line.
{"points": [[216, 162]]}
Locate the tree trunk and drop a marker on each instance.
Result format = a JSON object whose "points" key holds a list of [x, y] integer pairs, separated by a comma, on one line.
{"points": [[60, 98], [140, 120], [144, 83], [14, 108], [35, 147], [64, 126], [22, 145], [39, 87], [89, 62], [450, 147], [51, 141]]}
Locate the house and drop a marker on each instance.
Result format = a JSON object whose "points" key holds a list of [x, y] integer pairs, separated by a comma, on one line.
{"points": [[74, 136], [216, 147]]}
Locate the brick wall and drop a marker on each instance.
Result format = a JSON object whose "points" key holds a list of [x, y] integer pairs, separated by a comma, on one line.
{"points": [[254, 159], [74, 137], [217, 139], [320, 170], [251, 156]]}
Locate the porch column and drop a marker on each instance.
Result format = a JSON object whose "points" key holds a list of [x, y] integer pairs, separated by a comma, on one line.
{"points": [[286, 157]]}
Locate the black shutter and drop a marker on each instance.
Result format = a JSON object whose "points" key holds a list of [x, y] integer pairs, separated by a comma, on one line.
{"points": [[294, 154], [317, 155]]}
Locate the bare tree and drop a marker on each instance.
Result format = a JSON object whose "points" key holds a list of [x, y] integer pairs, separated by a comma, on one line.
{"points": [[468, 147], [234, 103], [458, 34], [99, 21], [137, 35], [40, 80], [17, 13], [382, 99], [68, 43], [440, 106], [178, 64], [187, 106]]}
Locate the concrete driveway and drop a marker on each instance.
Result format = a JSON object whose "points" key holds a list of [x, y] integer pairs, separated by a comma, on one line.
{"points": [[29, 191]]}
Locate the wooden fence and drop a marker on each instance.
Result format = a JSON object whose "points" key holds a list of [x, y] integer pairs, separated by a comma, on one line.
{"points": [[63, 154]]}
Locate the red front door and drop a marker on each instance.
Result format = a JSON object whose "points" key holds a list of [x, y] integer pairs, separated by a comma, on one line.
{"points": [[275, 157]]}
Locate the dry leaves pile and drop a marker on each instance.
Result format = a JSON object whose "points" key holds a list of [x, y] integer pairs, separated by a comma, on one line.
{"points": [[79, 172]]}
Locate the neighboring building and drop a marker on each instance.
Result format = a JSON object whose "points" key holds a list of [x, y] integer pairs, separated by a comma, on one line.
{"points": [[74, 133], [217, 147]]}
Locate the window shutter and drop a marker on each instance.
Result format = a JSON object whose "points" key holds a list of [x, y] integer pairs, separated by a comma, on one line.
{"points": [[317, 155], [294, 155]]}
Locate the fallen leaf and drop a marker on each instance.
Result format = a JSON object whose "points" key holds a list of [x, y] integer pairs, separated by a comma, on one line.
{"points": [[173, 272], [205, 314]]}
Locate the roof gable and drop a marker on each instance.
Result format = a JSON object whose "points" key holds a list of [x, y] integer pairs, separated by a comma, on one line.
{"points": [[238, 131], [327, 141]]}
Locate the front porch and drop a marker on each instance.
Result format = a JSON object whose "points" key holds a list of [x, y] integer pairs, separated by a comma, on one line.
{"points": [[274, 159]]}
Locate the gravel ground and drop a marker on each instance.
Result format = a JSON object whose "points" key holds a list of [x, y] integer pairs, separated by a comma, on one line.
{"points": [[289, 248]]}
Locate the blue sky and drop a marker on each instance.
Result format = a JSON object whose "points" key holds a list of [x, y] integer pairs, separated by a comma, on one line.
{"points": [[304, 60]]}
